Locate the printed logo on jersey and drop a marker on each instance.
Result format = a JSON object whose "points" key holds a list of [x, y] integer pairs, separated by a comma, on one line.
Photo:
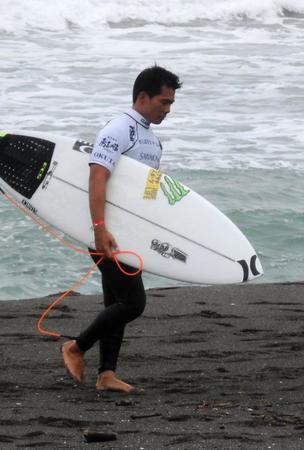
{"points": [[103, 157], [173, 190], [109, 144], [149, 157], [145, 122], [149, 142], [132, 133]]}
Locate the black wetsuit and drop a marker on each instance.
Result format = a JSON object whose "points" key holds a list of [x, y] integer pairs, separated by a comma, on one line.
{"points": [[124, 300]]}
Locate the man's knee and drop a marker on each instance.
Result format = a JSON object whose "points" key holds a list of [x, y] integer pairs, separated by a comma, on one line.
{"points": [[137, 307]]}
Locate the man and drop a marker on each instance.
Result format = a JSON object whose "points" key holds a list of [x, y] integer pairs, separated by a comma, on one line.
{"points": [[124, 296]]}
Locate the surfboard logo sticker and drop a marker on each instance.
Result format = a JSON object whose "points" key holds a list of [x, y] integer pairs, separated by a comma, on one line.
{"points": [[166, 250], [152, 184], [249, 268], [42, 170], [83, 147], [49, 175], [173, 190]]}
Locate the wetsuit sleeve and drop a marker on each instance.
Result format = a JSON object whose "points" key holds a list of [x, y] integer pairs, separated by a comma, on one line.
{"points": [[110, 143]]}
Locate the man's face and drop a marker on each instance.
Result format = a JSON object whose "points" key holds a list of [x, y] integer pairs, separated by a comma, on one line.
{"points": [[156, 108]]}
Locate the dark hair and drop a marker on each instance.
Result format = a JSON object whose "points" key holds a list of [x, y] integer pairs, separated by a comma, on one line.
{"points": [[152, 79]]}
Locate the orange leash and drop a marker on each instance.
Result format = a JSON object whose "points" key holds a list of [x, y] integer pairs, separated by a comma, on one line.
{"points": [[54, 334], [68, 244]]}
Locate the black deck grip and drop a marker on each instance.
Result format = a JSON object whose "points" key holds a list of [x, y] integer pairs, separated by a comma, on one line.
{"points": [[24, 162]]}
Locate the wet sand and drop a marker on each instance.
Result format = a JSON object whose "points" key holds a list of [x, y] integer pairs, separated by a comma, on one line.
{"points": [[222, 368]]}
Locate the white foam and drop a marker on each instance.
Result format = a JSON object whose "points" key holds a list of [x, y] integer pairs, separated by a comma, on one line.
{"points": [[94, 15]]}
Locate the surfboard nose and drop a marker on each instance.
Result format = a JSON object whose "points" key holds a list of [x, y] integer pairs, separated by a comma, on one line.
{"points": [[256, 267]]}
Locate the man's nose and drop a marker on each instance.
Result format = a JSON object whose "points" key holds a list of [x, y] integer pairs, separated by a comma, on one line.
{"points": [[167, 108]]}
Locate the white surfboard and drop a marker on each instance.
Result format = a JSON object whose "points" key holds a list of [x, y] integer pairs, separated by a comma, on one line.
{"points": [[177, 232]]}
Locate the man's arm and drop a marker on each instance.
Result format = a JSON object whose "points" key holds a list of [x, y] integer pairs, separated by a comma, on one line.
{"points": [[104, 241]]}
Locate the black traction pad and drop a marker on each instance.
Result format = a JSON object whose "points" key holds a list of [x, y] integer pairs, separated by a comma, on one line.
{"points": [[24, 162]]}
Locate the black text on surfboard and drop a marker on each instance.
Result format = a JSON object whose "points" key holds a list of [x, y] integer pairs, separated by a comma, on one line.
{"points": [[29, 206]]}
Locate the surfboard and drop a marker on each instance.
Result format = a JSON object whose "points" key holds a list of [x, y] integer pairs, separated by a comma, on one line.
{"points": [[178, 233]]}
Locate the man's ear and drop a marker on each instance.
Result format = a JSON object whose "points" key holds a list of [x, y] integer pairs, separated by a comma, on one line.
{"points": [[142, 96]]}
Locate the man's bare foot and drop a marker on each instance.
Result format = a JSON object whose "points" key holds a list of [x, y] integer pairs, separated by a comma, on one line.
{"points": [[107, 381], [73, 360]]}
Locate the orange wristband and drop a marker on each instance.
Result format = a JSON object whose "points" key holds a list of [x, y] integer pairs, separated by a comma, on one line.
{"points": [[98, 222]]}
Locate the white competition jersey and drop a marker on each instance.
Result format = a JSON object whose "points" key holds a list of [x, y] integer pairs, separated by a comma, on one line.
{"points": [[128, 134]]}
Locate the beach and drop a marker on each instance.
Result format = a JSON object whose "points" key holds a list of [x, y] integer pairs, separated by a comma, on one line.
{"points": [[221, 366]]}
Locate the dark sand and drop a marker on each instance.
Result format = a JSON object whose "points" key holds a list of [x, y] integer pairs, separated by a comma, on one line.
{"points": [[222, 368]]}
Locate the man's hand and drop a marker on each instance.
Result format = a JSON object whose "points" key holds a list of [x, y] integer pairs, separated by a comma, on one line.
{"points": [[104, 241]]}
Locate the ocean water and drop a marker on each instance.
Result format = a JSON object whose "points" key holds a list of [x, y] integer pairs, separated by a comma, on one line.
{"points": [[235, 133]]}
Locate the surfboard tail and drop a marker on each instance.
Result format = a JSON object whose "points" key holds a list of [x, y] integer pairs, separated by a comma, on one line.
{"points": [[24, 161]]}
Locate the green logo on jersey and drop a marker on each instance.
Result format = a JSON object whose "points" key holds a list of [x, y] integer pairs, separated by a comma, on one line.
{"points": [[3, 133], [173, 190]]}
